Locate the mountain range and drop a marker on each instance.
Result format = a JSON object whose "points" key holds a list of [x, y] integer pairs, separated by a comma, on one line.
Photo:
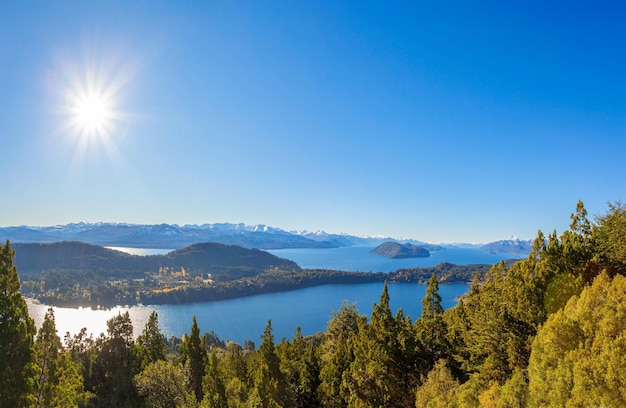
{"points": [[512, 245], [172, 236]]}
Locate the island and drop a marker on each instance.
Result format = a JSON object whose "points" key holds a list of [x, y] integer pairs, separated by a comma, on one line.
{"points": [[395, 250]]}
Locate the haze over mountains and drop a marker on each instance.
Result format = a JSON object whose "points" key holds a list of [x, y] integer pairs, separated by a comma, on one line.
{"points": [[171, 236]]}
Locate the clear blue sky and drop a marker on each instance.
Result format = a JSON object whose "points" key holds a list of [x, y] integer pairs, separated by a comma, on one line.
{"points": [[440, 121]]}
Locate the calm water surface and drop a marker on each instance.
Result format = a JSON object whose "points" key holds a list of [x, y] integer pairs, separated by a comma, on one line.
{"points": [[245, 318], [309, 308], [359, 258]]}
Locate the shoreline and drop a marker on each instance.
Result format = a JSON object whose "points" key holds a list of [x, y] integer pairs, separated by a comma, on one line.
{"points": [[179, 300]]}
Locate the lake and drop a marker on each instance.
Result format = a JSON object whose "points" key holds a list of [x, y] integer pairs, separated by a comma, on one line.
{"points": [[246, 318], [309, 308], [359, 258]]}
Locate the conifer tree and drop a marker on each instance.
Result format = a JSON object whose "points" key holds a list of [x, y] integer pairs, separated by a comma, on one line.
{"points": [[115, 364], [213, 385], [193, 354], [337, 355], [431, 304], [431, 329], [48, 347], [577, 357], [377, 376], [609, 238], [300, 368], [438, 390], [58, 381], [269, 378], [17, 331], [234, 362], [151, 342]]}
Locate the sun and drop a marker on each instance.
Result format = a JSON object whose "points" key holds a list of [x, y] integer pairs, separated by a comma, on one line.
{"points": [[92, 112]]}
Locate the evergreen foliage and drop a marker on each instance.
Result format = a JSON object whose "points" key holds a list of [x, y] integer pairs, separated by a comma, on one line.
{"points": [[151, 343], [194, 357], [17, 331]]}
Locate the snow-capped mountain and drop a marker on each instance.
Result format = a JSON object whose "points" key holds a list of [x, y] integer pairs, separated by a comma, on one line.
{"points": [[171, 236], [163, 235], [511, 245]]}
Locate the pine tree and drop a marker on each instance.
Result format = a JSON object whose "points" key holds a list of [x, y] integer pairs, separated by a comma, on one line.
{"points": [[337, 354], [58, 381], [300, 367], [151, 342], [193, 354], [116, 364], [378, 374], [609, 238], [213, 385], [431, 304], [17, 331], [269, 382], [48, 347]]}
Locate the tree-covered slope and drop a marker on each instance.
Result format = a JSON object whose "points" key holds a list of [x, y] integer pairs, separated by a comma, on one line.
{"points": [[394, 250], [34, 260]]}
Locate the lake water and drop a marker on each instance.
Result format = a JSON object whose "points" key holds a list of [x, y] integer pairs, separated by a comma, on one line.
{"points": [[359, 258], [246, 318], [309, 308]]}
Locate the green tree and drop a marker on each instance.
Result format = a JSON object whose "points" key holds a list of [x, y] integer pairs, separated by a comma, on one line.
{"points": [[609, 237], [431, 304], [431, 329], [48, 348], [17, 331], [269, 382], [337, 355], [213, 385], [577, 357], [438, 390], [384, 371], [265, 392], [164, 385], [300, 368], [113, 364], [193, 354], [235, 362], [58, 381], [151, 343]]}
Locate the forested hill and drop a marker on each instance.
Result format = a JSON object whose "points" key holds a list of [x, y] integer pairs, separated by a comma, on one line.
{"points": [[32, 260], [394, 250]]}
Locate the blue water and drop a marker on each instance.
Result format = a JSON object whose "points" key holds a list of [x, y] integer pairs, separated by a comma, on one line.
{"points": [[359, 258], [309, 308], [246, 318]]}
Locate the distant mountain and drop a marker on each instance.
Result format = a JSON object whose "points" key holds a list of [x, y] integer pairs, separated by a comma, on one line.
{"points": [[512, 245], [354, 240], [165, 235], [398, 251], [172, 236], [35, 260]]}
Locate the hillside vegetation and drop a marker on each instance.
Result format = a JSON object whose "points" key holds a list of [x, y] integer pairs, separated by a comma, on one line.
{"points": [[394, 250], [548, 330]]}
